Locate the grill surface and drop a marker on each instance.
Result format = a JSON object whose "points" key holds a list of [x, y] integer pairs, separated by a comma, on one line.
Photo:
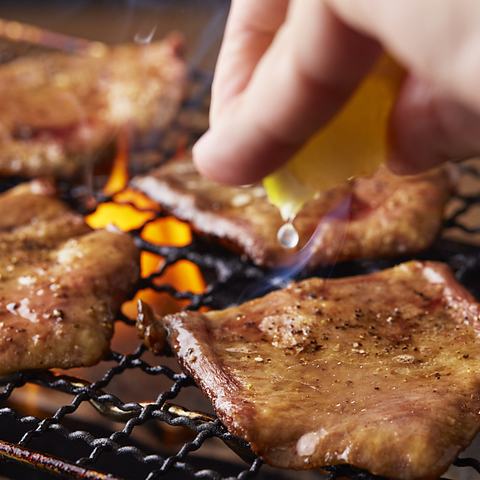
{"points": [[86, 449], [80, 428]]}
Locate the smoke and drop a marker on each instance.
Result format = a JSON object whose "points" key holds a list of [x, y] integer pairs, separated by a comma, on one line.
{"points": [[211, 34], [140, 37], [120, 21], [204, 32], [282, 275]]}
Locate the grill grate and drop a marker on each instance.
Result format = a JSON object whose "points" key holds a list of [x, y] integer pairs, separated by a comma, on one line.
{"points": [[64, 443]]}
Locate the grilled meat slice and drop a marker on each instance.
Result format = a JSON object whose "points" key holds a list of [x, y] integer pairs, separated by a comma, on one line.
{"points": [[388, 215], [60, 111], [380, 371], [60, 282]]}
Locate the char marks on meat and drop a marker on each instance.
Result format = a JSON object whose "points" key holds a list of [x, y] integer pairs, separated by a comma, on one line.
{"points": [[60, 282], [61, 111], [388, 216], [380, 371]]}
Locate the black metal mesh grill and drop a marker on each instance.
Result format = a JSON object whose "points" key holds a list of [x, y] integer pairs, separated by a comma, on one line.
{"points": [[66, 441], [87, 451]]}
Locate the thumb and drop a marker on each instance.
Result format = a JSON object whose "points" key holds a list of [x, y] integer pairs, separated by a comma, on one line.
{"points": [[429, 127]]}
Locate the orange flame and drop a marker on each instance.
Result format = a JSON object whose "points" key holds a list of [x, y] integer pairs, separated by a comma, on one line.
{"points": [[183, 275]]}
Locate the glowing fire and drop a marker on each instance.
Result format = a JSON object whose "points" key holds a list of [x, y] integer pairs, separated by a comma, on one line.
{"points": [[183, 275]]}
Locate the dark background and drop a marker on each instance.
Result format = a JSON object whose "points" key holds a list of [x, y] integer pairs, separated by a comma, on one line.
{"points": [[118, 21]]}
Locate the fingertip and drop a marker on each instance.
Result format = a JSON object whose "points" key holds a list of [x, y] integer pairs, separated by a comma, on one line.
{"points": [[202, 153], [223, 161], [227, 154]]}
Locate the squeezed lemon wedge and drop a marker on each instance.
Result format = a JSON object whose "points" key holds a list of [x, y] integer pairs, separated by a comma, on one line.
{"points": [[353, 143]]}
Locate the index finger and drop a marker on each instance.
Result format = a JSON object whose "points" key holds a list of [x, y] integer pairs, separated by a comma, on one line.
{"points": [[250, 29], [306, 74]]}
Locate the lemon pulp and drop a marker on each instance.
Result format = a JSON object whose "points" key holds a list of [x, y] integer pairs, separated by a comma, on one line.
{"points": [[353, 143]]}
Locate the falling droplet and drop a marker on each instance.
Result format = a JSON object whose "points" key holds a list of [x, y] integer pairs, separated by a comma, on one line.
{"points": [[287, 235]]}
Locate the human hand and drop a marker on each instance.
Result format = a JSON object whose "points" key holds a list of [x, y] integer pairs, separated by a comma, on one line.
{"points": [[287, 66]]}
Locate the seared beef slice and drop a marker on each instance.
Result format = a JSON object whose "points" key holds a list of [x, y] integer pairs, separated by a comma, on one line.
{"points": [[380, 371], [60, 282]]}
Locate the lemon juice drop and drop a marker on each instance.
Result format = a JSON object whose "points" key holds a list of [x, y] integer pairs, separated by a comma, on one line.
{"points": [[353, 143], [287, 235]]}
